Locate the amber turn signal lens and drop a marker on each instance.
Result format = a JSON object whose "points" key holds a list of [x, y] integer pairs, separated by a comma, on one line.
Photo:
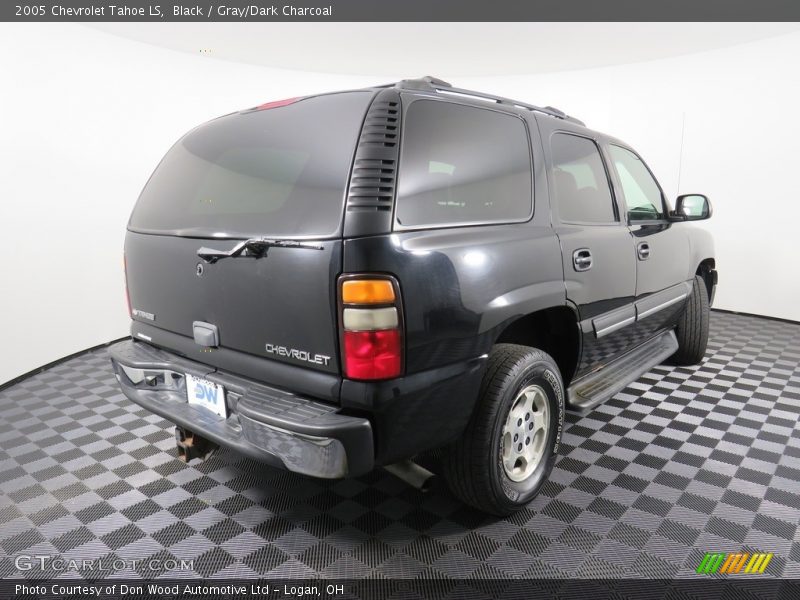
{"points": [[367, 291]]}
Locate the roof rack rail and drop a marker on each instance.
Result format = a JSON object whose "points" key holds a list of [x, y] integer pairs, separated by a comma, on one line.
{"points": [[438, 85], [423, 83]]}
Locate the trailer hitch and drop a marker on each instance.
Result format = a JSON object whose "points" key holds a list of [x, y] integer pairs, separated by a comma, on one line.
{"points": [[191, 445]]}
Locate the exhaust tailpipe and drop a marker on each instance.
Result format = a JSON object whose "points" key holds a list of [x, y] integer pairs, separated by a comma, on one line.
{"points": [[413, 474]]}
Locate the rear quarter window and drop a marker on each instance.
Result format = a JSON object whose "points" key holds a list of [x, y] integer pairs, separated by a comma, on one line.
{"points": [[462, 165]]}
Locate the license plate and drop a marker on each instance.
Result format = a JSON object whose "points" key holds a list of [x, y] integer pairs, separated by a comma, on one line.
{"points": [[207, 394]]}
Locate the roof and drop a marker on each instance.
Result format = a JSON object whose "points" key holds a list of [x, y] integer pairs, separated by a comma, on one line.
{"points": [[438, 86]]}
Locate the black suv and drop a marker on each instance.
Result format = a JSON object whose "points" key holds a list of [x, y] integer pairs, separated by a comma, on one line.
{"points": [[342, 281]]}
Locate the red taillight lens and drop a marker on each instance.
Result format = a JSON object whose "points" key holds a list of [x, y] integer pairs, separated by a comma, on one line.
{"points": [[372, 354], [371, 324]]}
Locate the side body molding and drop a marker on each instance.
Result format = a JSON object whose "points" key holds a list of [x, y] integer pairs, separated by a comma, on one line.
{"points": [[614, 320], [640, 310], [661, 300]]}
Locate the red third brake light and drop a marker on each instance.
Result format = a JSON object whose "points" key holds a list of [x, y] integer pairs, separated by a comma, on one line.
{"points": [[277, 103], [372, 341]]}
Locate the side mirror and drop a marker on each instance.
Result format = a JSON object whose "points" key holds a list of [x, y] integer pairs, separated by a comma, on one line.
{"points": [[692, 207]]}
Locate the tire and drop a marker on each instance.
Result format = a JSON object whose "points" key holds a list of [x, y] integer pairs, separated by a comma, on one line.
{"points": [[476, 467], [692, 328]]}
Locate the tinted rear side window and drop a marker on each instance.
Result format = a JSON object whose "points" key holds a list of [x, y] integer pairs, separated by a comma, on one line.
{"points": [[582, 191], [279, 172], [462, 165]]}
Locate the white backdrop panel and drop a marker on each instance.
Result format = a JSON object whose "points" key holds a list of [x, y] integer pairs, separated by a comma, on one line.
{"points": [[85, 117]]}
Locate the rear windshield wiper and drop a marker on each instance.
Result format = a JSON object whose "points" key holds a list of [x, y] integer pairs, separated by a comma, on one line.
{"points": [[255, 248]]}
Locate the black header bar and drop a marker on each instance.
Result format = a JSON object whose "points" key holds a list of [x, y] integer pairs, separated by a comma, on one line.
{"points": [[398, 10]]}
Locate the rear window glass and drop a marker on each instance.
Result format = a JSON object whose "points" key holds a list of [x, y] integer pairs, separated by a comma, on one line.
{"points": [[280, 172], [582, 190], [461, 165]]}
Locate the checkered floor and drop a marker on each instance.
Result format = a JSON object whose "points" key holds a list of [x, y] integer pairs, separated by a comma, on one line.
{"points": [[684, 461]]}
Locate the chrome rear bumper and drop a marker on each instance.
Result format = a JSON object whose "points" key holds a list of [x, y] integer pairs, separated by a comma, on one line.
{"points": [[284, 430]]}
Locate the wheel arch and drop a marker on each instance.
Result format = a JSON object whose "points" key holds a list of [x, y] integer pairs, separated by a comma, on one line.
{"points": [[707, 271], [553, 330]]}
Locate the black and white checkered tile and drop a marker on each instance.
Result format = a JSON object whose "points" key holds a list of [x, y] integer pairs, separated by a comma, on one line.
{"points": [[684, 461]]}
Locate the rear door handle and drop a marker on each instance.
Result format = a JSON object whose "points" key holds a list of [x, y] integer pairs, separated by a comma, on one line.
{"points": [[582, 259], [643, 250]]}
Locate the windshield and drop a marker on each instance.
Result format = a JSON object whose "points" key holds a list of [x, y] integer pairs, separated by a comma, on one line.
{"points": [[276, 172]]}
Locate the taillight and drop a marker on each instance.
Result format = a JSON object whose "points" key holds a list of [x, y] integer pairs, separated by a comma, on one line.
{"points": [[127, 293], [372, 340]]}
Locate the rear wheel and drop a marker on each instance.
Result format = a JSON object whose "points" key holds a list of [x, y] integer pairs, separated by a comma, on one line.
{"points": [[692, 328], [511, 441]]}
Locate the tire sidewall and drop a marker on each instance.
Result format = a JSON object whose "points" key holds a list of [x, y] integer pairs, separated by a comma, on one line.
{"points": [[545, 375]]}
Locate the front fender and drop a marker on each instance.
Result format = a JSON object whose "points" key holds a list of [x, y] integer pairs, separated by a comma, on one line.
{"points": [[701, 247]]}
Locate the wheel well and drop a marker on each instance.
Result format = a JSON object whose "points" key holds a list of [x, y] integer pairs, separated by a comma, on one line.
{"points": [[554, 330], [705, 269]]}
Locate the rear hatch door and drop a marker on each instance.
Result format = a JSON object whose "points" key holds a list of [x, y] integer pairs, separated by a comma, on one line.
{"points": [[278, 174]]}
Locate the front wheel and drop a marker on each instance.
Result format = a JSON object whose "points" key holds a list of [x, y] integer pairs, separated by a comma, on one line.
{"points": [[692, 328], [511, 441]]}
